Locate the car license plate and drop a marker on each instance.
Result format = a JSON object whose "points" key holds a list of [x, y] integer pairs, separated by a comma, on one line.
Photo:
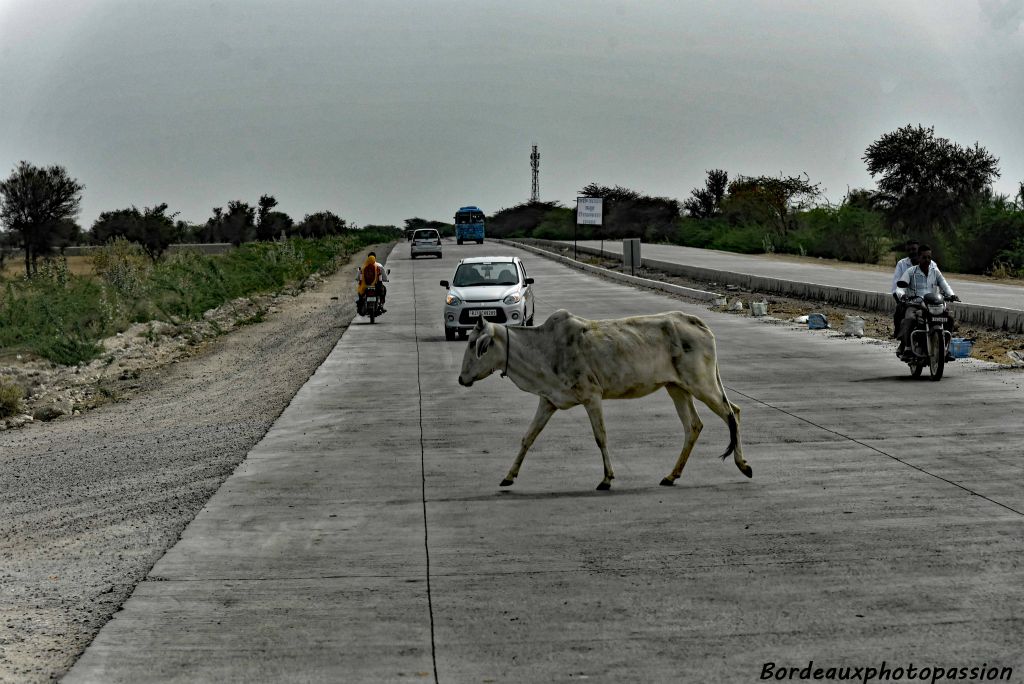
{"points": [[940, 319], [484, 312], [371, 299]]}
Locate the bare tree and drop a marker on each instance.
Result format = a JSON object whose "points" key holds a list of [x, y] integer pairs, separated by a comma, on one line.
{"points": [[781, 196], [38, 203]]}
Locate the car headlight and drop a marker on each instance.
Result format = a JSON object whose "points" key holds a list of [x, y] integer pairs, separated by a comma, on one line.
{"points": [[513, 298], [453, 300], [936, 309]]}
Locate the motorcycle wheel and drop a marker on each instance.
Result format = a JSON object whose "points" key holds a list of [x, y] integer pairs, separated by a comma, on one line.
{"points": [[937, 356], [373, 314], [915, 369]]}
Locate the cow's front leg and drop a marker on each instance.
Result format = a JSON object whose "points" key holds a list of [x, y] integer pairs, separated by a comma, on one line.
{"points": [[691, 425], [597, 424], [545, 409]]}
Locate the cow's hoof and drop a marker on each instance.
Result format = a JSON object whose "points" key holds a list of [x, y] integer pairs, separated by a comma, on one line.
{"points": [[747, 470], [506, 482], [604, 486], [665, 482]]}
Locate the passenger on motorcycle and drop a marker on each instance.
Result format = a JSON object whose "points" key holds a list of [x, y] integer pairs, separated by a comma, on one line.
{"points": [[922, 279], [372, 272], [901, 267]]}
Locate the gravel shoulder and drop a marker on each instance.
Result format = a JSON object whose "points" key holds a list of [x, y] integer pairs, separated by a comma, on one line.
{"points": [[88, 503]]}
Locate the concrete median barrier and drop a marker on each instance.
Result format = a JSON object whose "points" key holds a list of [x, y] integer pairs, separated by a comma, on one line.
{"points": [[996, 317]]}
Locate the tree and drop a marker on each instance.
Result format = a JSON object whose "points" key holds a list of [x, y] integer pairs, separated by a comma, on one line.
{"points": [[273, 224], [36, 203], [239, 223], [321, 224], [926, 183], [628, 213], [520, 220], [706, 202], [213, 229], [779, 197], [264, 230], [111, 224], [152, 229]]}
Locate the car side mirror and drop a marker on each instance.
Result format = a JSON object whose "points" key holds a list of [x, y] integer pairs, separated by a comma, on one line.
{"points": [[444, 283], [902, 283], [529, 281]]}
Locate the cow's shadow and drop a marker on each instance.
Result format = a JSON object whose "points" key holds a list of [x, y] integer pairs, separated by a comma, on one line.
{"points": [[894, 378], [582, 493]]}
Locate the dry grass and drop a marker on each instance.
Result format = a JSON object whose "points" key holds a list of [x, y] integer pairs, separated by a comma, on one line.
{"points": [[77, 265]]}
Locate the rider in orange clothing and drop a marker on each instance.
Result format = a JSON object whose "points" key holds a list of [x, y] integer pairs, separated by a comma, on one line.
{"points": [[372, 272]]}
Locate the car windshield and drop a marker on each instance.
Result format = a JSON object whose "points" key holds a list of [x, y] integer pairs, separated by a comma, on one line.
{"points": [[502, 273], [425, 235]]}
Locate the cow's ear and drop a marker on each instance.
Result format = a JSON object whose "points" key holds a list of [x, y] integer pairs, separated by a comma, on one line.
{"points": [[482, 343]]}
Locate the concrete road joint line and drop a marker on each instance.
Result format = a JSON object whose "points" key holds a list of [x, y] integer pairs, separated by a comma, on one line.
{"points": [[876, 449], [423, 471]]}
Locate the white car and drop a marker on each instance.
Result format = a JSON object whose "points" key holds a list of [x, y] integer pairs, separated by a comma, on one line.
{"points": [[425, 241], [496, 288]]}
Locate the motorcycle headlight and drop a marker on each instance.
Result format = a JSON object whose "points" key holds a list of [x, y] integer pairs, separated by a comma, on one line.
{"points": [[513, 299], [453, 300], [936, 309]]}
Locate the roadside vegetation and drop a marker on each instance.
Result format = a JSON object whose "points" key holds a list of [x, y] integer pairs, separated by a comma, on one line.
{"points": [[53, 311], [928, 188], [61, 317]]}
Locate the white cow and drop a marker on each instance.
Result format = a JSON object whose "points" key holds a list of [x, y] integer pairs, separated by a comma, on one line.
{"points": [[570, 360]]}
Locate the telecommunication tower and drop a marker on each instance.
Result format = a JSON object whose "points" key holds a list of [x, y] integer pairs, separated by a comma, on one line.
{"points": [[535, 165]]}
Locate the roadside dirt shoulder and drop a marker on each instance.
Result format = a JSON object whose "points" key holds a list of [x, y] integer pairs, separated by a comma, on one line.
{"points": [[995, 346], [88, 504]]}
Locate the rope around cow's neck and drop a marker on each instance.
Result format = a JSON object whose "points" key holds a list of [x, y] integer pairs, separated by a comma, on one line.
{"points": [[508, 340]]}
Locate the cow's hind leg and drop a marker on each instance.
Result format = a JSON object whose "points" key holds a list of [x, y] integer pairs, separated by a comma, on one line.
{"points": [[596, 416], [691, 425], [737, 454], [545, 409], [714, 396]]}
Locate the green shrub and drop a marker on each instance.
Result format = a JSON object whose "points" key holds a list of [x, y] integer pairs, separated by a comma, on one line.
{"points": [[10, 398]]}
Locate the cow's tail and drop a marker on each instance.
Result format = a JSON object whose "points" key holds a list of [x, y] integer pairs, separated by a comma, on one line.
{"points": [[734, 435]]}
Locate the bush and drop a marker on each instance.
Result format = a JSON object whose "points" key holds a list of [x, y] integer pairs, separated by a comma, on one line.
{"points": [[846, 232], [10, 398], [123, 265]]}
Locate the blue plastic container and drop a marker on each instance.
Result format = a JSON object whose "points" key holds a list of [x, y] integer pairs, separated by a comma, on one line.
{"points": [[960, 348]]}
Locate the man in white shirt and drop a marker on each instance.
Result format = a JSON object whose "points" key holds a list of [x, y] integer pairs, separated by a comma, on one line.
{"points": [[901, 266], [922, 279]]}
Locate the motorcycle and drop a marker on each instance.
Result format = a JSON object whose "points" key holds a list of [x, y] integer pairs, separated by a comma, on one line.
{"points": [[369, 304], [931, 336]]}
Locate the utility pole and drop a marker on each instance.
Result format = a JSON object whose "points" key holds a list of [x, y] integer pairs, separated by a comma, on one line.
{"points": [[535, 165]]}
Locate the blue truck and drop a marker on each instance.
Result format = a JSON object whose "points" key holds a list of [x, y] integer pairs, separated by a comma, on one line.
{"points": [[469, 225]]}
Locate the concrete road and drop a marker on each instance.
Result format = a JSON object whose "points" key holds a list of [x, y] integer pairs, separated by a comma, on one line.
{"points": [[365, 539], [988, 294]]}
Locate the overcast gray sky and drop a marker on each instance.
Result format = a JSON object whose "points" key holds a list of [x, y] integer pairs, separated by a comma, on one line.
{"points": [[381, 110]]}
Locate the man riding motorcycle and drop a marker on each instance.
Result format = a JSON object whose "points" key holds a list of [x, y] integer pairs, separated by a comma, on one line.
{"points": [[371, 273], [901, 267], [922, 279]]}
